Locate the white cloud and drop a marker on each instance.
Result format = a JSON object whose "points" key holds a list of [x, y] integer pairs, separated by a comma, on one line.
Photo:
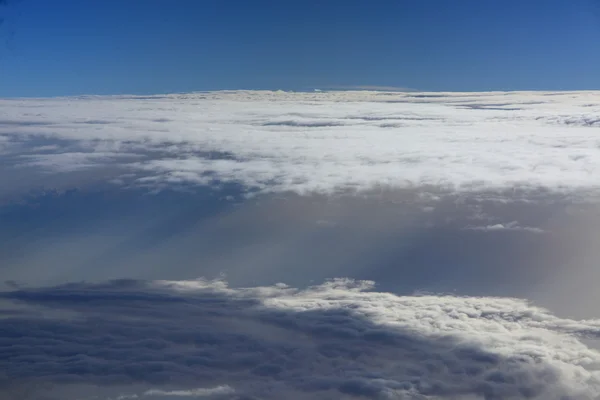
{"points": [[200, 392], [510, 226], [315, 142], [335, 340], [216, 392]]}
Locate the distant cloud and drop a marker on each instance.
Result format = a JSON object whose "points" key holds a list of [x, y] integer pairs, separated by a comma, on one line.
{"points": [[310, 142], [217, 392], [511, 226], [202, 392], [335, 340], [372, 87]]}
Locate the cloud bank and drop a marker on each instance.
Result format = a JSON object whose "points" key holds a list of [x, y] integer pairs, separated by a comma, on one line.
{"points": [[337, 340], [499, 171], [322, 142]]}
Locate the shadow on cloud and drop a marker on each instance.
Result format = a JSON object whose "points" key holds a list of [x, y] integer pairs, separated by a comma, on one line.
{"points": [[338, 339]]}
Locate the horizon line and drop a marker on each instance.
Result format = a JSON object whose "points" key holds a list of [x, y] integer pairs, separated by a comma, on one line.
{"points": [[316, 90]]}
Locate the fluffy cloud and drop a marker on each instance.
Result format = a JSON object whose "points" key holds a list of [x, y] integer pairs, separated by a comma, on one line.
{"points": [[339, 339], [312, 142]]}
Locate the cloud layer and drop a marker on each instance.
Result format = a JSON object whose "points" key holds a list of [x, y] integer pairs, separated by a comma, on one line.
{"points": [[339, 340], [435, 171], [311, 142]]}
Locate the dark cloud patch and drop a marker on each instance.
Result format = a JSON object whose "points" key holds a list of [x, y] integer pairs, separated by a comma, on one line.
{"points": [[392, 118], [392, 125], [427, 96], [96, 122], [586, 121], [491, 106], [572, 120], [12, 284], [23, 123]]}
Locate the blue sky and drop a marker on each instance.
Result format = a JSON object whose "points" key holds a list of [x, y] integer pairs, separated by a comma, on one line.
{"points": [[66, 47]]}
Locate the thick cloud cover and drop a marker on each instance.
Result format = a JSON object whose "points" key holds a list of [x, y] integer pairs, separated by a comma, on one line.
{"points": [[474, 194], [311, 142], [339, 339]]}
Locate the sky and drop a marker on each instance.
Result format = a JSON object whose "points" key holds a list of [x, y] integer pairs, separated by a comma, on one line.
{"points": [[69, 47], [162, 239]]}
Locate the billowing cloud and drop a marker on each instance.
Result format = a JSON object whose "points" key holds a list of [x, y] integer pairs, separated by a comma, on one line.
{"points": [[321, 142], [339, 340]]}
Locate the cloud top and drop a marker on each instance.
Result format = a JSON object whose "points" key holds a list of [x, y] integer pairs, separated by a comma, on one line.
{"points": [[321, 142], [340, 339]]}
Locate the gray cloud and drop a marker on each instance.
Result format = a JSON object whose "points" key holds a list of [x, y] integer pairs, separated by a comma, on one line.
{"points": [[338, 339]]}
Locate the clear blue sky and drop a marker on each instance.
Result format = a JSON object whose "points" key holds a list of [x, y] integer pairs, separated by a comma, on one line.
{"points": [[64, 47]]}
